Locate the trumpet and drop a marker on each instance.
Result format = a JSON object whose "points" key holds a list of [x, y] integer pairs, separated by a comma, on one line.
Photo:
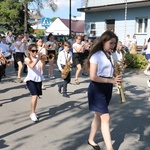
{"points": [[44, 57], [51, 56]]}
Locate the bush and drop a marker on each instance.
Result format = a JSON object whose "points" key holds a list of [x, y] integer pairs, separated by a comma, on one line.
{"points": [[136, 61], [39, 32]]}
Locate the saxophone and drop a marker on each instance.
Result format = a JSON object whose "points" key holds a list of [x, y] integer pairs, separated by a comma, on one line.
{"points": [[66, 71], [118, 70]]}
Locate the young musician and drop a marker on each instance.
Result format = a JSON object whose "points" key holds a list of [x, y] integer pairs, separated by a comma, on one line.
{"points": [[41, 49], [100, 88], [64, 56], [34, 77], [78, 50], [51, 45]]}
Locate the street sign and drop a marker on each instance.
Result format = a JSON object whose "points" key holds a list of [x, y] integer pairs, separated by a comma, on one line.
{"points": [[45, 22]]}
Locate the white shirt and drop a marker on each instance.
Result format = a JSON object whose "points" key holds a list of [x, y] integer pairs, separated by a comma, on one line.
{"points": [[4, 47], [76, 45], [10, 39], [148, 48], [12, 47], [134, 41], [63, 56], [21, 48], [42, 50], [104, 66], [117, 56], [34, 74], [86, 44]]}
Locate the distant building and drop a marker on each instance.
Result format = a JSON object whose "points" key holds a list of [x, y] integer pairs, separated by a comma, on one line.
{"points": [[121, 16], [61, 26], [35, 19]]}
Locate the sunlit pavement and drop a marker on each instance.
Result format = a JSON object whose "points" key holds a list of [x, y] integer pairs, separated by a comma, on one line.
{"points": [[64, 123]]}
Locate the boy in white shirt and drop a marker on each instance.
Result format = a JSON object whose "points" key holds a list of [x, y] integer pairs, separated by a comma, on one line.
{"points": [[64, 56]]}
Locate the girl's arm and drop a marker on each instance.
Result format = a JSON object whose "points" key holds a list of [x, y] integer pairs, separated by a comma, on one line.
{"points": [[18, 45], [79, 49], [31, 63]]}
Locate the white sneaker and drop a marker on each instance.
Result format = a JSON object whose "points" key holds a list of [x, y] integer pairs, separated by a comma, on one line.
{"points": [[33, 117], [52, 77], [148, 83], [146, 72]]}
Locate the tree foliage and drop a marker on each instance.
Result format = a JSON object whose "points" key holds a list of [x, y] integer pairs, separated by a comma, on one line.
{"points": [[12, 14]]}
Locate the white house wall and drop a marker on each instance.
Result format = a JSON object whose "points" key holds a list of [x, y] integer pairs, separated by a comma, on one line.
{"points": [[92, 3], [58, 27], [119, 15]]}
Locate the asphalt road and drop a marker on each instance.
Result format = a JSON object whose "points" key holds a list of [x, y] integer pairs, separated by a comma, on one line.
{"points": [[65, 122]]}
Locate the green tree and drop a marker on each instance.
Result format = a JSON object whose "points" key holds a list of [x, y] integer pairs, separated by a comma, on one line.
{"points": [[53, 19], [13, 15]]}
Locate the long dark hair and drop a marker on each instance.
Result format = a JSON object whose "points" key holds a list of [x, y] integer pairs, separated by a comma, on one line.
{"points": [[99, 43]]}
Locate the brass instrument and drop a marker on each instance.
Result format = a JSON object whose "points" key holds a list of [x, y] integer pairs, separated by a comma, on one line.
{"points": [[66, 71], [5, 61], [43, 57], [118, 70], [51, 56]]}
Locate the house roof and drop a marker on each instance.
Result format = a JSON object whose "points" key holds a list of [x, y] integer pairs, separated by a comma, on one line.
{"points": [[76, 25], [116, 6]]}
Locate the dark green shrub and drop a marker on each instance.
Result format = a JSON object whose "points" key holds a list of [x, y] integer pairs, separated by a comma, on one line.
{"points": [[136, 61]]}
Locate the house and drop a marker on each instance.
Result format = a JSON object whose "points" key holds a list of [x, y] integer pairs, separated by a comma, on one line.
{"points": [[61, 26], [122, 16], [35, 19]]}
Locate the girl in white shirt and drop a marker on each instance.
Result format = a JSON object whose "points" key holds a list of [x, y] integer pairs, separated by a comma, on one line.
{"points": [[100, 89], [34, 77], [78, 50], [51, 45]]}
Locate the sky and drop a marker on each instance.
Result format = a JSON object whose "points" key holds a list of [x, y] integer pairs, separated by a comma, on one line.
{"points": [[63, 9]]}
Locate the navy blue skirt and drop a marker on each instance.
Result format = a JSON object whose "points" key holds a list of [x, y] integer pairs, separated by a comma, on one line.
{"points": [[99, 96], [35, 88]]}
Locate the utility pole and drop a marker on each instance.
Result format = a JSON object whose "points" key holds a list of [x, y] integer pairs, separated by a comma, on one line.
{"points": [[125, 21], [25, 15], [70, 19]]}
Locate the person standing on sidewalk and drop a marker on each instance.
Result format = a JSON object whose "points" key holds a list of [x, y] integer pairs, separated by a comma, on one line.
{"points": [[101, 66], [147, 55], [34, 77], [64, 56]]}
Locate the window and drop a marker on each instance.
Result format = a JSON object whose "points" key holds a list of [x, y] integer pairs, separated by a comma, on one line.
{"points": [[141, 25], [93, 29], [110, 25]]}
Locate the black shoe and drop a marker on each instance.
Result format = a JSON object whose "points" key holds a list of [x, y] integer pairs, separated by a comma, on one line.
{"points": [[59, 89], [85, 74], [66, 95], [94, 146]]}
